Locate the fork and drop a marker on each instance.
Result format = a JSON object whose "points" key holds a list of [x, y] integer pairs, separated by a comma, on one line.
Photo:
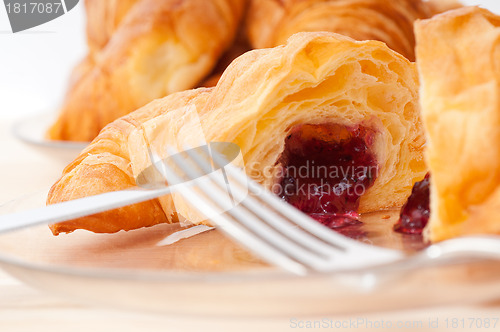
{"points": [[282, 235], [80, 207]]}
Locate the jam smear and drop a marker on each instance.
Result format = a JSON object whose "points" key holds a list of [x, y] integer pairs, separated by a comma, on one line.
{"points": [[415, 213], [326, 168], [355, 232]]}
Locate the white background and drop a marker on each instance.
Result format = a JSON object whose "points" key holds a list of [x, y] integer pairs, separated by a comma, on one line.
{"points": [[34, 67], [35, 64]]}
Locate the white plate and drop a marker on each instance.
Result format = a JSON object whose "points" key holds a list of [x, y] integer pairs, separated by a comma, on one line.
{"points": [[209, 275], [32, 130]]}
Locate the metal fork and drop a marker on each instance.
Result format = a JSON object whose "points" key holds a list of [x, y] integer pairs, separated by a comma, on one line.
{"points": [[284, 236]]}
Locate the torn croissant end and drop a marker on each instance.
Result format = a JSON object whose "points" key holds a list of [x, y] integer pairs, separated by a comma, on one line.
{"points": [[357, 100], [458, 56]]}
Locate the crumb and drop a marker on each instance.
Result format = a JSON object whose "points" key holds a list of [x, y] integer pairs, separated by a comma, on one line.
{"points": [[386, 217]]}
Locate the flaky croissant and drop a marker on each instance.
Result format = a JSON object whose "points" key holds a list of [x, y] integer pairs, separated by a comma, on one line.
{"points": [[271, 22], [458, 57], [283, 107], [159, 47]]}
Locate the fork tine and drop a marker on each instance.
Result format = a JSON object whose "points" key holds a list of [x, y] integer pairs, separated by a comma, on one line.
{"points": [[239, 233], [249, 220], [270, 216]]}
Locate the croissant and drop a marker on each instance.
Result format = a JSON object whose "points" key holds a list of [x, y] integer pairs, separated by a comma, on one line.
{"points": [[271, 22], [158, 47], [320, 100], [459, 63]]}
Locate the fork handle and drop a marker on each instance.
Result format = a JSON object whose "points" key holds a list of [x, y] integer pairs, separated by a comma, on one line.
{"points": [[78, 208]]}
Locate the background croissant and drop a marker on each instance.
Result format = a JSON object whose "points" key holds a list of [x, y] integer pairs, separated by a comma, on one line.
{"points": [[140, 50], [148, 49], [272, 22]]}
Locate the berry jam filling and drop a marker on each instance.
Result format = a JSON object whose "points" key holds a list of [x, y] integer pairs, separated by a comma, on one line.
{"points": [[415, 213], [326, 169]]}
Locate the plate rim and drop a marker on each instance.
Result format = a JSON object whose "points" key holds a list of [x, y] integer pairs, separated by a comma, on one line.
{"points": [[18, 132]]}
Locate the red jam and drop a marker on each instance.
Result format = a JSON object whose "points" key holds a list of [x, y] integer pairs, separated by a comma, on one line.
{"points": [[326, 169], [415, 213]]}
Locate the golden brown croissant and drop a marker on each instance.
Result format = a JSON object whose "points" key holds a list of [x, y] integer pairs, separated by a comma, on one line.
{"points": [[271, 22], [160, 46], [284, 107], [458, 57]]}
